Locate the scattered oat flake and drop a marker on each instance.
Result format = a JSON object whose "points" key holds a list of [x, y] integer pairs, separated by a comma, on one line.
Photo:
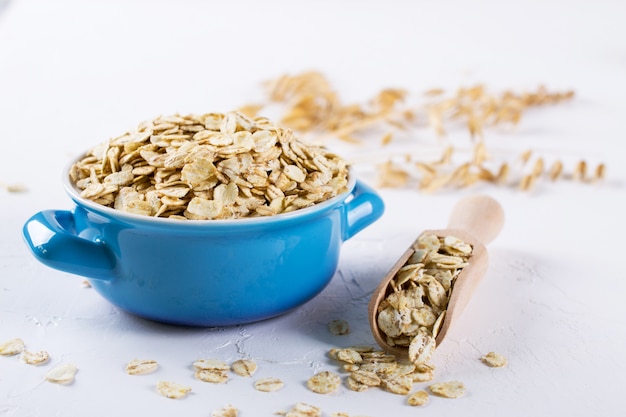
{"points": [[228, 411], [210, 364], [16, 188], [62, 374], [35, 358], [311, 104], [216, 376], [494, 360], [355, 385], [350, 367], [386, 140], [12, 347], [580, 171], [339, 327], [250, 110], [269, 384], [172, 389], [141, 366], [349, 356], [421, 348], [244, 367], [397, 384], [304, 410], [434, 92], [324, 382], [418, 398], [600, 172], [555, 170], [451, 389], [528, 182], [368, 378], [423, 376]]}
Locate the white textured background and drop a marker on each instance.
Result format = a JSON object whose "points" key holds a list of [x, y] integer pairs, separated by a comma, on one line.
{"points": [[75, 73]]}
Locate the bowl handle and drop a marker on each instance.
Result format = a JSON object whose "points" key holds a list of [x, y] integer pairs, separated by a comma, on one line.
{"points": [[51, 237], [363, 209]]}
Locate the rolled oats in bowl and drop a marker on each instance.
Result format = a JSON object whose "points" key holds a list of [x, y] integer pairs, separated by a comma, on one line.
{"points": [[210, 166]]}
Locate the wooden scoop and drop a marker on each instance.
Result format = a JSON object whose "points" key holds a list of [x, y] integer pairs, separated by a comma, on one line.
{"points": [[476, 220]]}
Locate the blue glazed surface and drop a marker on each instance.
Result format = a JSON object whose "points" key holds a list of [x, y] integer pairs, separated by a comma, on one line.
{"points": [[205, 272]]}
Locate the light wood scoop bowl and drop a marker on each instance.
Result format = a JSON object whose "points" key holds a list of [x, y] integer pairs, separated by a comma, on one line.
{"points": [[476, 220]]}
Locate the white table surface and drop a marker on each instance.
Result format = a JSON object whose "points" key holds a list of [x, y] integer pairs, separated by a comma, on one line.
{"points": [[73, 74]]}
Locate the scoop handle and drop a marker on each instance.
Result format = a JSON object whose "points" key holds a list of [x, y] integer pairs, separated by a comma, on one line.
{"points": [[479, 215]]}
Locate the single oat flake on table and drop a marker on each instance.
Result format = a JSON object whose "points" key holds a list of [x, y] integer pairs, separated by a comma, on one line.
{"points": [[35, 358], [210, 166], [494, 360], [228, 411], [301, 409], [215, 376], [172, 390], [12, 347], [244, 367], [141, 366], [269, 384], [418, 398], [339, 327], [62, 374], [324, 382], [449, 389], [211, 370]]}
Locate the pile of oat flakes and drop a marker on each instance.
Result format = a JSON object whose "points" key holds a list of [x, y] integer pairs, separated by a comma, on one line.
{"points": [[365, 366], [209, 166], [310, 104]]}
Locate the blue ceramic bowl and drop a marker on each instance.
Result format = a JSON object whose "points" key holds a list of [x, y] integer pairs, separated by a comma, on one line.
{"points": [[202, 272]]}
